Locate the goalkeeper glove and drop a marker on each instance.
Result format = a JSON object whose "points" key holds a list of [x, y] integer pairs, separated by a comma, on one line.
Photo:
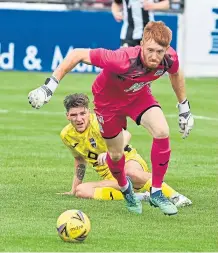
{"points": [[40, 96], [186, 120]]}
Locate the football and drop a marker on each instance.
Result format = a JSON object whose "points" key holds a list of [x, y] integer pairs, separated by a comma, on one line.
{"points": [[73, 226]]}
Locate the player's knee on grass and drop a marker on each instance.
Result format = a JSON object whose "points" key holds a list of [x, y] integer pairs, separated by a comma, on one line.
{"points": [[82, 191]]}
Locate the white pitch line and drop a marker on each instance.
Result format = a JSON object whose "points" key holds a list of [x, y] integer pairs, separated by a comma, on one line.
{"points": [[3, 111], [195, 116], [41, 112]]}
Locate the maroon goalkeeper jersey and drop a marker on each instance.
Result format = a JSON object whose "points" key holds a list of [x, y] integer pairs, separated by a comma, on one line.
{"points": [[124, 76]]}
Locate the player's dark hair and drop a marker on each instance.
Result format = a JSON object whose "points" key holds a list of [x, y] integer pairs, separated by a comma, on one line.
{"points": [[159, 32], [76, 100]]}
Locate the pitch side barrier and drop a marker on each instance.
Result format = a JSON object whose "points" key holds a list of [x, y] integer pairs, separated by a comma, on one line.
{"points": [[36, 37]]}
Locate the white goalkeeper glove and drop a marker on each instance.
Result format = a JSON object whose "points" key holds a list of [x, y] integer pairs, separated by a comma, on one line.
{"points": [[186, 120], [40, 96]]}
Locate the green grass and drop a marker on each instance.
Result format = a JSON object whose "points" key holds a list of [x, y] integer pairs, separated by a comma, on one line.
{"points": [[35, 165]]}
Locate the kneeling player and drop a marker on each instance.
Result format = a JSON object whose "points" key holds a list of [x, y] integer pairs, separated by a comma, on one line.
{"points": [[82, 136]]}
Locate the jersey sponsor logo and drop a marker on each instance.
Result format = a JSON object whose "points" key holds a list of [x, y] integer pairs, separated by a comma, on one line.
{"points": [[92, 155], [159, 72], [92, 142], [137, 86]]}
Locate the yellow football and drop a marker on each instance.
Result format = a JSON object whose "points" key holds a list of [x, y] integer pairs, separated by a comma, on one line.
{"points": [[73, 226]]}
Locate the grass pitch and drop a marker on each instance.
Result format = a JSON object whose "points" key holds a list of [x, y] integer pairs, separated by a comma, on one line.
{"points": [[35, 166]]}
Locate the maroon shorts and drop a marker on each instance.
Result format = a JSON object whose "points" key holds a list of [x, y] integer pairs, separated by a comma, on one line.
{"points": [[112, 119]]}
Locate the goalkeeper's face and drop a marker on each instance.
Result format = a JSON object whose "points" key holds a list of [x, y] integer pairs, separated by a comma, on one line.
{"points": [[152, 53], [79, 118]]}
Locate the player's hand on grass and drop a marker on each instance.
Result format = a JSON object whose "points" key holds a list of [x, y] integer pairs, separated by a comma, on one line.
{"points": [[40, 96], [102, 158], [186, 120]]}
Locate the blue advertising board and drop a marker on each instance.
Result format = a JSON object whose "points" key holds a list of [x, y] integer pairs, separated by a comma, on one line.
{"points": [[33, 40]]}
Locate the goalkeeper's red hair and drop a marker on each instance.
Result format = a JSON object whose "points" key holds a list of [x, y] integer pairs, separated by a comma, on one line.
{"points": [[158, 32]]}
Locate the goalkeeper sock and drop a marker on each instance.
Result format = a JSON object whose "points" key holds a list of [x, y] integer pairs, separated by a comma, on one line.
{"points": [[118, 172], [160, 156], [107, 193]]}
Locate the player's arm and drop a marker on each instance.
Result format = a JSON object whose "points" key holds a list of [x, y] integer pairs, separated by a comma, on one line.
{"points": [[158, 6], [38, 97], [79, 164], [114, 61], [79, 173], [186, 121], [175, 74], [116, 9], [74, 57], [178, 83]]}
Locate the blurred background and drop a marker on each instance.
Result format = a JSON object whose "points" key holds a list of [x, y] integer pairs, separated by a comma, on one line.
{"points": [[37, 34]]}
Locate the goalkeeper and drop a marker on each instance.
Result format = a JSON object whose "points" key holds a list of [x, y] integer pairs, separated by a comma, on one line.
{"points": [[82, 136]]}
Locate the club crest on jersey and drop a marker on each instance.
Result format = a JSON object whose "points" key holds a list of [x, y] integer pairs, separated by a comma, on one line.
{"points": [[159, 72], [137, 86], [92, 142]]}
